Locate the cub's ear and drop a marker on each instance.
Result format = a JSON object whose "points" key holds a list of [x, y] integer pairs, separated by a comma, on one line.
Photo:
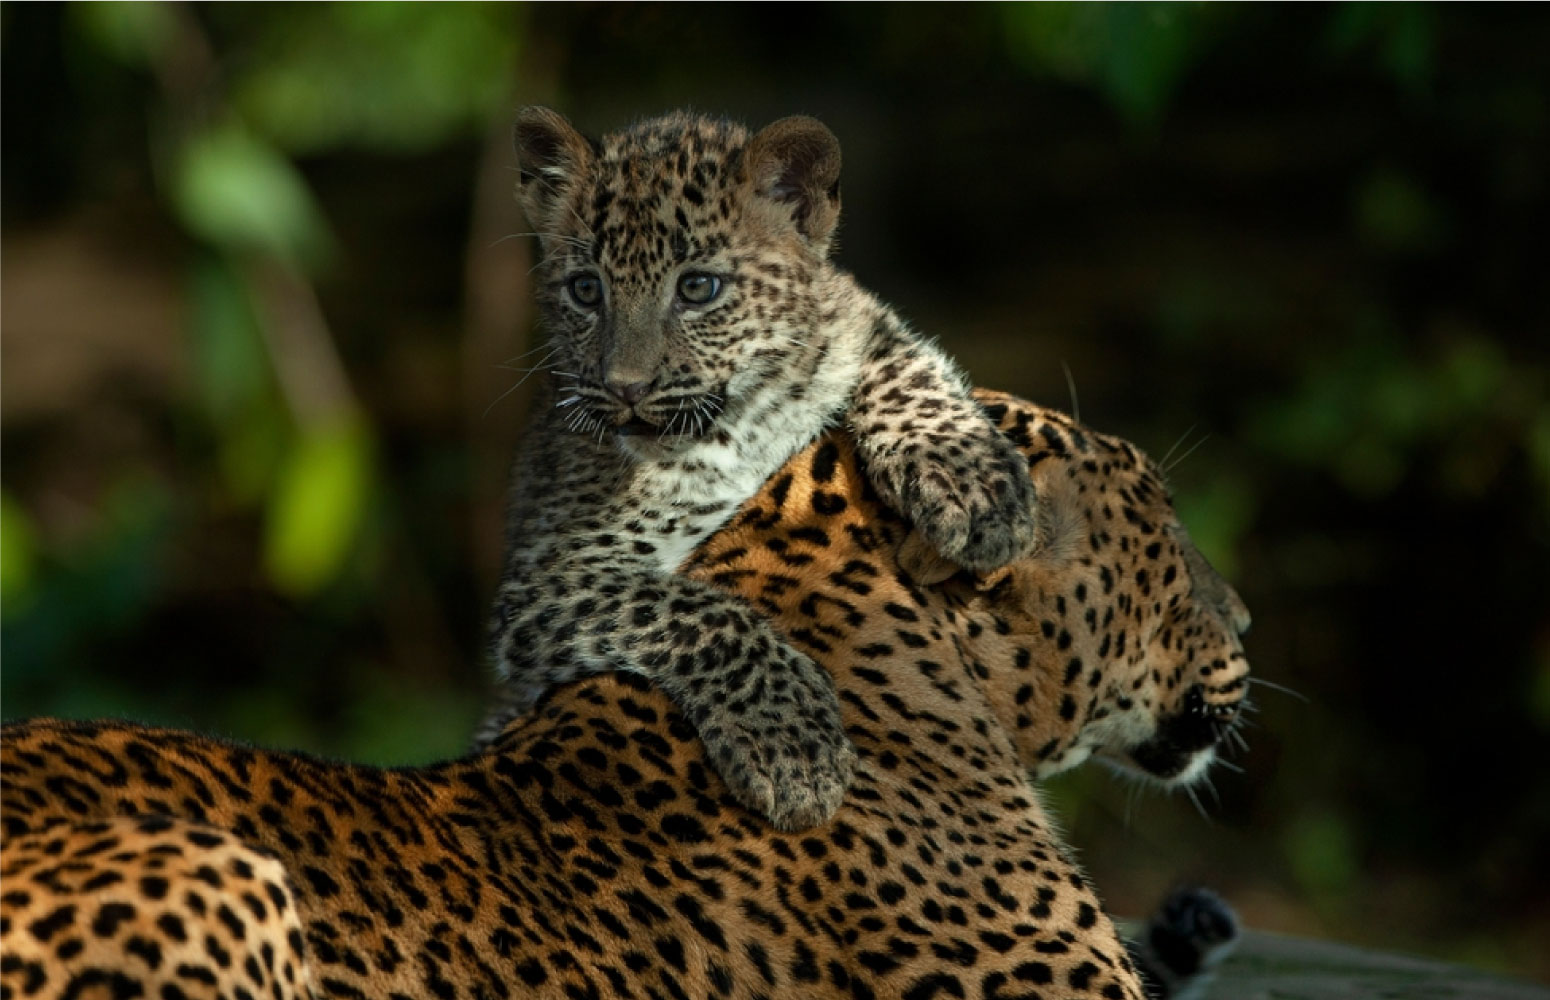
{"points": [[551, 155], [796, 164]]}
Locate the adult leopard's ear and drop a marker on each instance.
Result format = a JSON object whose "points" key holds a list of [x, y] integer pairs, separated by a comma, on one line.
{"points": [[928, 567], [795, 163], [921, 560], [551, 155]]}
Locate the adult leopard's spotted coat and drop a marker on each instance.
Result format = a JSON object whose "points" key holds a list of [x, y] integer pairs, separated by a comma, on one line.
{"points": [[592, 850]]}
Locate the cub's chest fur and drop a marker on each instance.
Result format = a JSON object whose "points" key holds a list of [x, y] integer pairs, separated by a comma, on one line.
{"points": [[689, 499]]}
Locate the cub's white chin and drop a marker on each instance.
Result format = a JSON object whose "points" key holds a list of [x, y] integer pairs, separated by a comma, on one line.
{"points": [[653, 448]]}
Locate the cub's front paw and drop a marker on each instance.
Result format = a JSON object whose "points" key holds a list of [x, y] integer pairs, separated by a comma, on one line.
{"points": [[780, 745], [974, 503], [794, 779]]}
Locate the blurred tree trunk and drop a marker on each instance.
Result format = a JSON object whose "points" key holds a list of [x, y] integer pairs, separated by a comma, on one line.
{"points": [[499, 311]]}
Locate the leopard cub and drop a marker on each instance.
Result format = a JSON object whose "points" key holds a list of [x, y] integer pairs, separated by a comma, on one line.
{"points": [[700, 337]]}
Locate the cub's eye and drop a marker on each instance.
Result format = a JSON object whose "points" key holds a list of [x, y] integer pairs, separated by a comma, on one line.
{"points": [[586, 289], [699, 289]]}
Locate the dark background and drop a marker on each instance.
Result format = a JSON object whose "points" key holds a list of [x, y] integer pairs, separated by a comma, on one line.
{"points": [[265, 306]]}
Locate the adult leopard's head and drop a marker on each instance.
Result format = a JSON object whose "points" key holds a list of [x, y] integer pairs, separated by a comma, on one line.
{"points": [[679, 263], [1115, 638]]}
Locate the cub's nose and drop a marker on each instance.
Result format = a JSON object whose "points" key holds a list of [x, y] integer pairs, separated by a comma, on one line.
{"points": [[630, 392]]}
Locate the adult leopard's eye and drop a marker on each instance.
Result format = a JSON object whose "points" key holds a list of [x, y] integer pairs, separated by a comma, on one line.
{"points": [[699, 288], [586, 289]]}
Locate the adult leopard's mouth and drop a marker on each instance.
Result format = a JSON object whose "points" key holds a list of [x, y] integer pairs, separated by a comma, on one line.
{"points": [[1170, 763], [1184, 745]]}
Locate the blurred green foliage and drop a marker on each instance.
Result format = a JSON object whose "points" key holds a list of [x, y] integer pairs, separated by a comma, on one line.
{"points": [[319, 500], [1306, 238], [384, 77], [1394, 214], [240, 194], [18, 559], [1322, 854], [235, 385], [132, 33], [1402, 36], [101, 582], [1366, 411], [300, 459], [1136, 54], [388, 77]]}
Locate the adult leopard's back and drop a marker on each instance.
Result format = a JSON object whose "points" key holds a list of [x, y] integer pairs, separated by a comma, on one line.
{"points": [[148, 906], [592, 850]]}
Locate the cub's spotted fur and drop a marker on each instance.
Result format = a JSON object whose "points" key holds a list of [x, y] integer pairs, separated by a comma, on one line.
{"points": [[593, 851], [700, 337]]}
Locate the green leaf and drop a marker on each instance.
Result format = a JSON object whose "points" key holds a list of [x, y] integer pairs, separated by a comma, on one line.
{"points": [[240, 194], [1321, 852], [1539, 691], [1150, 46], [1218, 514], [250, 451], [1135, 53], [1473, 376], [236, 381], [402, 77], [1538, 444], [18, 555], [231, 363], [318, 507], [133, 33], [1403, 35], [392, 723], [1370, 465], [1394, 213], [92, 586]]}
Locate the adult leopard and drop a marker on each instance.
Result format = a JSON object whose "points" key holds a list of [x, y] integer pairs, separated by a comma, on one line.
{"points": [[592, 851]]}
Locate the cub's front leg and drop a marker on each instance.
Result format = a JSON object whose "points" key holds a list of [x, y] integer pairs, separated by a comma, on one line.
{"points": [[768, 715], [934, 456]]}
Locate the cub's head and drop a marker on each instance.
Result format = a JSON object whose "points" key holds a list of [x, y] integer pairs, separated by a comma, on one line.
{"points": [[1114, 638], [679, 259]]}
